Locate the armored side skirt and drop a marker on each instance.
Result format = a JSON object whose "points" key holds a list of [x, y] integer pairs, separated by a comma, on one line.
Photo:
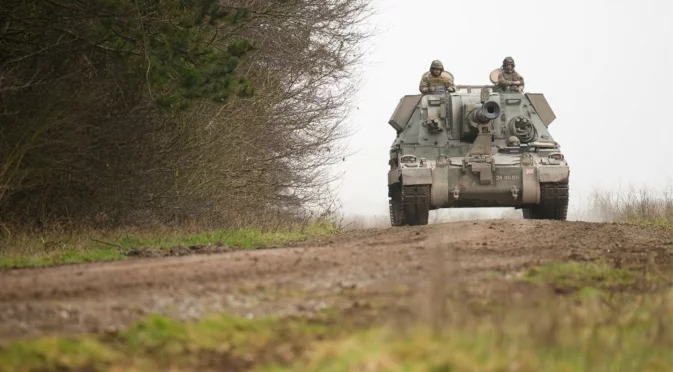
{"points": [[486, 186]]}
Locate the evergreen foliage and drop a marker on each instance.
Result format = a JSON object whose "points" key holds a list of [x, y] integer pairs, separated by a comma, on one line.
{"points": [[171, 46]]}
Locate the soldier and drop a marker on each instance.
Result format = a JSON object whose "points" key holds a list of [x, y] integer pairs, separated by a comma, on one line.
{"points": [[508, 79], [436, 80]]}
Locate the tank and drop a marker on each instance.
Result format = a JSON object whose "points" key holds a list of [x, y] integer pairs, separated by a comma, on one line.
{"points": [[475, 147]]}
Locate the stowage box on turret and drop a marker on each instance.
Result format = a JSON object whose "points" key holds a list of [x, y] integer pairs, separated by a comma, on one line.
{"points": [[475, 147]]}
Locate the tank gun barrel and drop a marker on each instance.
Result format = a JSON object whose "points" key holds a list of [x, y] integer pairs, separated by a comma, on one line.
{"points": [[487, 112]]}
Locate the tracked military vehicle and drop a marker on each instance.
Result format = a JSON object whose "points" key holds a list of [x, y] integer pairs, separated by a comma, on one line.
{"points": [[475, 147]]}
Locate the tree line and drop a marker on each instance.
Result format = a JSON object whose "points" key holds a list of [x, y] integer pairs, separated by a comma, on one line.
{"points": [[118, 112]]}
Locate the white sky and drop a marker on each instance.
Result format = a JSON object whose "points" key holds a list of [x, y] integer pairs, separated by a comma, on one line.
{"points": [[606, 68]]}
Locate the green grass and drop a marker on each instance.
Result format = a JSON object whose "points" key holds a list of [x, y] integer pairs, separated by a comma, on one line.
{"points": [[599, 328], [577, 275], [68, 256], [562, 333], [585, 337], [93, 246], [241, 238], [157, 343], [662, 222]]}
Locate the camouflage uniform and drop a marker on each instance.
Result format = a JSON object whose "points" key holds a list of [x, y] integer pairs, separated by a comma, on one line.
{"points": [[430, 83], [506, 79]]}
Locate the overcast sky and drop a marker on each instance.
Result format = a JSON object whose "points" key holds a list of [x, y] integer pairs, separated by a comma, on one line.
{"points": [[606, 68]]}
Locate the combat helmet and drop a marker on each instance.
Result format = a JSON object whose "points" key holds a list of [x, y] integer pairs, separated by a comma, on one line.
{"points": [[508, 60], [437, 64]]}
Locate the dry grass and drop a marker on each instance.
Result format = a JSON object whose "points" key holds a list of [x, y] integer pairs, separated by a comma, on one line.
{"points": [[633, 206]]}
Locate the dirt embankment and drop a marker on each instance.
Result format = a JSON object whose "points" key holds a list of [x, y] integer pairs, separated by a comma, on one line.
{"points": [[344, 271]]}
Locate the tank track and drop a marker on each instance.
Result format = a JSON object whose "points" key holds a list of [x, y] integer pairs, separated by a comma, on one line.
{"points": [[553, 203], [410, 205], [395, 204]]}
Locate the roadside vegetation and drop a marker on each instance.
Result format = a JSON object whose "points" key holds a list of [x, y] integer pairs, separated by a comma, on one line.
{"points": [[159, 344], [576, 316], [125, 124], [565, 334], [635, 206], [46, 249]]}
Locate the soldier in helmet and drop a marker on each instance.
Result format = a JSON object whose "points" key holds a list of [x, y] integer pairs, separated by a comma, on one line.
{"points": [[436, 80], [508, 79]]}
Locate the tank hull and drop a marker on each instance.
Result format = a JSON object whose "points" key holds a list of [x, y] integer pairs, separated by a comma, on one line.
{"points": [[502, 186]]}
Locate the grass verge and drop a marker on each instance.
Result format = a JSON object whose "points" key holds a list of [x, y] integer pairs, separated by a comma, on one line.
{"points": [[159, 344], [93, 246], [576, 275], [610, 330], [565, 334], [595, 325]]}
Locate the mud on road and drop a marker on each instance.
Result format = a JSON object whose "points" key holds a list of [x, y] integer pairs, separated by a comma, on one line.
{"points": [[346, 271]]}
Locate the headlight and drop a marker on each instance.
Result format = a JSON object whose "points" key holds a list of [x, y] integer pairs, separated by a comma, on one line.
{"points": [[556, 156], [408, 159]]}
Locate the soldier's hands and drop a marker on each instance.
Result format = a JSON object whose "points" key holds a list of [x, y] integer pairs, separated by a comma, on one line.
{"points": [[517, 82]]}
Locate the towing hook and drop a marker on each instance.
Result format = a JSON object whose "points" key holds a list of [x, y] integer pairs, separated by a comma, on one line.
{"points": [[456, 192], [515, 192]]}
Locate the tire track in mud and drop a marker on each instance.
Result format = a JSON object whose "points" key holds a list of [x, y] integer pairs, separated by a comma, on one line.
{"points": [[308, 276]]}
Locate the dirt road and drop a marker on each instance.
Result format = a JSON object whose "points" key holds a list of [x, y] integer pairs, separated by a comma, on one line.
{"points": [[344, 271]]}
